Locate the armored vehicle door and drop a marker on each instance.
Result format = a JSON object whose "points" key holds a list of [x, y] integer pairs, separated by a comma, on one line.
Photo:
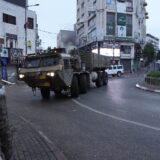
{"points": [[67, 72]]}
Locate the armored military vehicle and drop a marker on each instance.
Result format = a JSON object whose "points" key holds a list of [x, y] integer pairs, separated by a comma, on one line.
{"points": [[60, 72]]}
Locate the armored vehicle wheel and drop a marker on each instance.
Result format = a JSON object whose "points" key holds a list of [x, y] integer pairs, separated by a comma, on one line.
{"points": [[74, 87], [99, 81], [45, 92], [119, 74], [83, 83], [105, 78]]}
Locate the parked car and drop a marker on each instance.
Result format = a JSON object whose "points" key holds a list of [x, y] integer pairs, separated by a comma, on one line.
{"points": [[115, 70]]}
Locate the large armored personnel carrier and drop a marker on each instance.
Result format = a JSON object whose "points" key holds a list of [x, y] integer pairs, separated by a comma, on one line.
{"points": [[57, 71]]}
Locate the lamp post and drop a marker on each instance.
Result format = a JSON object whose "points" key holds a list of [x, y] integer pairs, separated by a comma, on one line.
{"points": [[26, 23]]}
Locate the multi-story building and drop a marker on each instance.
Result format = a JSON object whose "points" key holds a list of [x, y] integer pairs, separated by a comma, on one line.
{"points": [[18, 34], [153, 40], [118, 25], [14, 17]]}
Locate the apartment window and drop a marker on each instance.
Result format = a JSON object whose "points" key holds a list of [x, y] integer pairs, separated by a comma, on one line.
{"points": [[82, 5], [129, 3], [94, 2], [129, 24], [30, 23], [125, 49], [9, 19], [110, 23]]}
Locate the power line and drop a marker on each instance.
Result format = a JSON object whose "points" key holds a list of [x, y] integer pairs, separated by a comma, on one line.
{"points": [[46, 32]]}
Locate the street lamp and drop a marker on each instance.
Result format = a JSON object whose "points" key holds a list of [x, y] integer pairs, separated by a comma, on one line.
{"points": [[26, 23]]}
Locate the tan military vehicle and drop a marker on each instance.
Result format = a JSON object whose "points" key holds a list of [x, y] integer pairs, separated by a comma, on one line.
{"points": [[59, 72]]}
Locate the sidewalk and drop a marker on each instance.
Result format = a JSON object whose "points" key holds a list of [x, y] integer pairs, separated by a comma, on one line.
{"points": [[28, 144], [148, 87]]}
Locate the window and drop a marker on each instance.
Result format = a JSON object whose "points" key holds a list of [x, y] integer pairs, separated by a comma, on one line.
{"points": [[49, 61], [30, 23], [82, 5], [119, 67], [110, 23], [9, 19], [129, 24], [126, 49], [66, 64], [32, 63]]}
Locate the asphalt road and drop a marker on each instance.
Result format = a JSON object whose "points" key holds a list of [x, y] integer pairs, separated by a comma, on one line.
{"points": [[117, 122]]}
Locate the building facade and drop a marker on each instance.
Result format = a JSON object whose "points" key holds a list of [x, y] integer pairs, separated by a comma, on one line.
{"points": [[14, 17], [18, 35], [154, 41], [119, 26]]}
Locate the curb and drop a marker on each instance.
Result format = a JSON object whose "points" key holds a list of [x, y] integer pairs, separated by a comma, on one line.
{"points": [[147, 89]]}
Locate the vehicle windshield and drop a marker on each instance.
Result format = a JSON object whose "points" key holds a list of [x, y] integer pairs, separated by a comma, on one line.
{"points": [[41, 62], [32, 63], [49, 61]]}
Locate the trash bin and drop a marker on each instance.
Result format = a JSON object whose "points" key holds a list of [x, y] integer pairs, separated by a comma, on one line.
{"points": [[5, 131]]}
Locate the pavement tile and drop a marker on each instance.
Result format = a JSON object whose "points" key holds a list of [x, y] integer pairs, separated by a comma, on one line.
{"points": [[27, 143]]}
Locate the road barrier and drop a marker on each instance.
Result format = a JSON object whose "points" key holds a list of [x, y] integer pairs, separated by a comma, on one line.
{"points": [[5, 131]]}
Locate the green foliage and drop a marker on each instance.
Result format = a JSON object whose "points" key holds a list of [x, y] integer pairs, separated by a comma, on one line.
{"points": [[149, 53], [154, 74]]}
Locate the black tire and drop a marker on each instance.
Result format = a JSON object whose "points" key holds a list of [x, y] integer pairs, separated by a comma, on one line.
{"points": [[105, 78], [45, 93], [83, 83], [119, 74], [99, 81], [74, 87]]}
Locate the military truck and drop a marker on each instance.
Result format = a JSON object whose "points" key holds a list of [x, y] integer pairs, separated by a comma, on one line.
{"points": [[60, 72]]}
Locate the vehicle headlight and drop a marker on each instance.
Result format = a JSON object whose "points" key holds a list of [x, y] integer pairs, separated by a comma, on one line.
{"points": [[21, 76], [51, 74]]}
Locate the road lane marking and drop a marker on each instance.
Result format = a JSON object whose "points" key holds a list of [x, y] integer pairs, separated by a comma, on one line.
{"points": [[116, 117]]}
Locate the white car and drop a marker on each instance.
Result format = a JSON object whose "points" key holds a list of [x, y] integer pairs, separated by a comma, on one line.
{"points": [[115, 70]]}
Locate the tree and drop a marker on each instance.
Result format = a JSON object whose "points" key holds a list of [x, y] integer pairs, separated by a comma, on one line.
{"points": [[149, 53]]}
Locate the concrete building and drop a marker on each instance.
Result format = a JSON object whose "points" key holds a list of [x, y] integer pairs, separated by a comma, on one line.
{"points": [[14, 37], [66, 39], [12, 26], [119, 26], [154, 41]]}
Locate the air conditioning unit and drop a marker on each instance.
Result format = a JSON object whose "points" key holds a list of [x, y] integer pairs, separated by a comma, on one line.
{"points": [[4, 52]]}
